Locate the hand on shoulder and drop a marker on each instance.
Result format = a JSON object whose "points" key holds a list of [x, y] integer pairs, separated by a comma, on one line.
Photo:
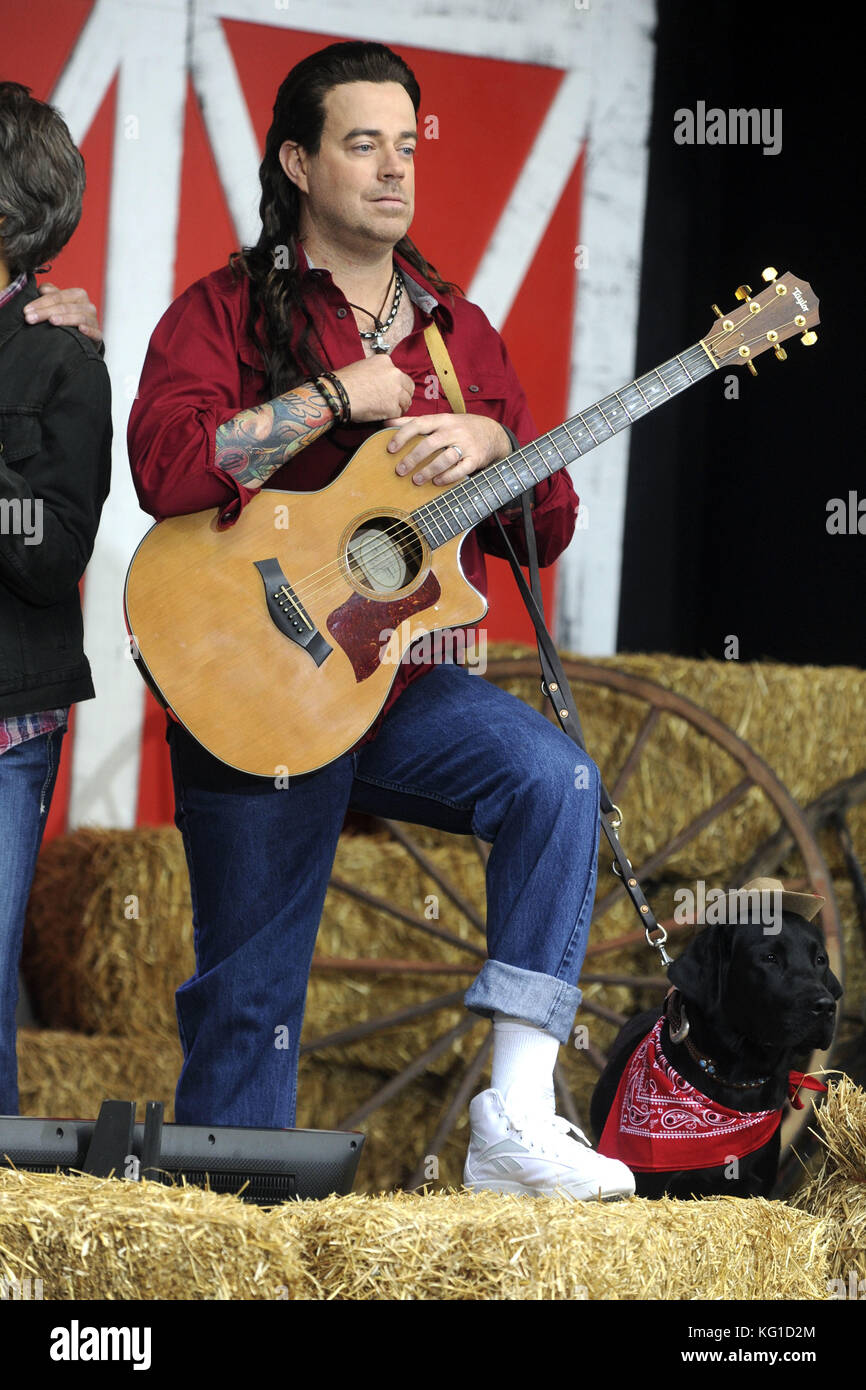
{"points": [[70, 307]]}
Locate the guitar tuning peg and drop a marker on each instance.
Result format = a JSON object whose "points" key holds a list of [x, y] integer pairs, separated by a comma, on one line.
{"points": [[781, 354], [809, 338], [769, 274], [714, 308], [752, 368], [743, 292]]}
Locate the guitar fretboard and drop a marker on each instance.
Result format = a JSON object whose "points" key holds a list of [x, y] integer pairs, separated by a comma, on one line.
{"points": [[481, 494]]}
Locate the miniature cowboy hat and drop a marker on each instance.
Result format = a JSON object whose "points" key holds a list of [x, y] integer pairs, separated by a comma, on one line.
{"points": [[804, 904]]}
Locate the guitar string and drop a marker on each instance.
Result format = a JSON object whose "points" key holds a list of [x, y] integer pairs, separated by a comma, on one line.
{"points": [[328, 575], [440, 510]]}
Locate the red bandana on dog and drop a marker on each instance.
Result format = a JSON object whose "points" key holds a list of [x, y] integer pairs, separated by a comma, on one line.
{"points": [[659, 1122]]}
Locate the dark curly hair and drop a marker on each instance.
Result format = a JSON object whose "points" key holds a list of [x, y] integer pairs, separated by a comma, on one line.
{"points": [[41, 180], [275, 279]]}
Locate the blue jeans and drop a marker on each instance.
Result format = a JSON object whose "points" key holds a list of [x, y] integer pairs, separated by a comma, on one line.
{"points": [[28, 772], [454, 752]]}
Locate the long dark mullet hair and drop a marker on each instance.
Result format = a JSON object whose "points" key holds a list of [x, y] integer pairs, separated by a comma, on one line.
{"points": [[272, 265]]}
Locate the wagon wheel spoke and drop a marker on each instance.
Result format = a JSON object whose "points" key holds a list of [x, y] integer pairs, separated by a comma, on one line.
{"points": [[624, 775], [356, 1031], [677, 842], [410, 918], [852, 864], [590, 1006], [458, 1102], [565, 1099], [408, 1074], [426, 863], [635, 938], [841, 797], [385, 965]]}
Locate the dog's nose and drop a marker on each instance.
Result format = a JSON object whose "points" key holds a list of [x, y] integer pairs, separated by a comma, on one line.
{"points": [[825, 1007]]}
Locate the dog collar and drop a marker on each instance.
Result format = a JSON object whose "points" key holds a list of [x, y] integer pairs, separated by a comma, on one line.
{"points": [[678, 1023]]}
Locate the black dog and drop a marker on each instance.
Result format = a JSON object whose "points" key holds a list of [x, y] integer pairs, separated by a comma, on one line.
{"points": [[756, 1005]]}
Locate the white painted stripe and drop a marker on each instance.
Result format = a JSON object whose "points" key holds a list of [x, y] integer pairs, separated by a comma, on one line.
{"points": [[90, 68], [143, 213], [605, 325], [546, 32], [533, 201], [227, 121]]}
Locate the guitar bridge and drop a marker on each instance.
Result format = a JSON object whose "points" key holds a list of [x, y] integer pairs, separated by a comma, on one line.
{"points": [[288, 614]]}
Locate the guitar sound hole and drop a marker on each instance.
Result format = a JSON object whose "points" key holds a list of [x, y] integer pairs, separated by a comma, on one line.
{"points": [[384, 555]]}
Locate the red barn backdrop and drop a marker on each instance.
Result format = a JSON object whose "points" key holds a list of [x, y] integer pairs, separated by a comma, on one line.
{"points": [[170, 103]]}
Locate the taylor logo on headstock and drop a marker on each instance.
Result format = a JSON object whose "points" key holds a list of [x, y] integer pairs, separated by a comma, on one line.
{"points": [[764, 322]]}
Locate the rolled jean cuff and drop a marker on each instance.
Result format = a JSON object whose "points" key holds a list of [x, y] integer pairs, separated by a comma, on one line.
{"points": [[549, 1003]]}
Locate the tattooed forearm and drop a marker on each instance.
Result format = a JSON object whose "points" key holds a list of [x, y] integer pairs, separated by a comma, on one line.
{"points": [[256, 442]]}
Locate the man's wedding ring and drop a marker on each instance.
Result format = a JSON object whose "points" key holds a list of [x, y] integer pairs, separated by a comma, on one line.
{"points": [[459, 451]]}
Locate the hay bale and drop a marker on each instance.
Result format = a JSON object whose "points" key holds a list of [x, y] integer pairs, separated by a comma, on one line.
{"points": [[837, 1191], [807, 722], [109, 934], [462, 1246], [62, 1073], [96, 1238]]}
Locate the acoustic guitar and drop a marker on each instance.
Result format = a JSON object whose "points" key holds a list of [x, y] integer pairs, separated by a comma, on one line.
{"points": [[275, 642]]}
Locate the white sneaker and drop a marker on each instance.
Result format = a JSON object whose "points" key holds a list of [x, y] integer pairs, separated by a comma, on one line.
{"points": [[517, 1146]]}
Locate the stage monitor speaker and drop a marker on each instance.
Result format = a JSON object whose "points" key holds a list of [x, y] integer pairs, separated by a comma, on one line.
{"points": [[264, 1166]]}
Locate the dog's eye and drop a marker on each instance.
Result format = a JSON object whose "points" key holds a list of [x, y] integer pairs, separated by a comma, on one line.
{"points": [[822, 960], [770, 955]]}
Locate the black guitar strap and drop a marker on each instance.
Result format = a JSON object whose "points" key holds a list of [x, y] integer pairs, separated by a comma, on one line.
{"points": [[555, 685]]}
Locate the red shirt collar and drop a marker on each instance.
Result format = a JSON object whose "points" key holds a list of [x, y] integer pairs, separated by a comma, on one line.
{"points": [[430, 301], [421, 291]]}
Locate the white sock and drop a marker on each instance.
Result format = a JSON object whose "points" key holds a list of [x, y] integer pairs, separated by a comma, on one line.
{"points": [[523, 1056]]}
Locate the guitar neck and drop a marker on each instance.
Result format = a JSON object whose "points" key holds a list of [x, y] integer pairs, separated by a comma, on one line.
{"points": [[481, 494]]}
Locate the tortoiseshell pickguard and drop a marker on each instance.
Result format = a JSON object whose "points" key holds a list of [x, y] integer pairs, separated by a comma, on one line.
{"points": [[358, 623]]}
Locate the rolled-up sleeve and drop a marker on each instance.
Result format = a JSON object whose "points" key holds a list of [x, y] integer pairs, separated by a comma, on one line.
{"points": [[190, 385]]}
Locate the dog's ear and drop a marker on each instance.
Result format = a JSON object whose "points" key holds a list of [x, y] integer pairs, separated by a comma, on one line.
{"points": [[700, 973]]}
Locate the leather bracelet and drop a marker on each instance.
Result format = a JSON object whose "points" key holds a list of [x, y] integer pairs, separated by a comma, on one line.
{"points": [[331, 401], [346, 417]]}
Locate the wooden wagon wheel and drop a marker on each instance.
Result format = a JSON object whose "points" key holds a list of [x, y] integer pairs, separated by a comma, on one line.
{"points": [[648, 707], [827, 813]]}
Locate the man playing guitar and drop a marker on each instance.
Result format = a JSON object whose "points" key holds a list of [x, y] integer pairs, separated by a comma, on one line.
{"points": [[270, 373]]}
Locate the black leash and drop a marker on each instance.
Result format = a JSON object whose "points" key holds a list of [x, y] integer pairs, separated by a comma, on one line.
{"points": [[556, 687]]}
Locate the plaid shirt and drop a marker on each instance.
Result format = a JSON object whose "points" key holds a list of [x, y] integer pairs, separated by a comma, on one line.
{"points": [[11, 290], [20, 727]]}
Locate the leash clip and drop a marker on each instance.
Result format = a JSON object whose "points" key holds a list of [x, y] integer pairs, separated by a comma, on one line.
{"points": [[659, 946]]}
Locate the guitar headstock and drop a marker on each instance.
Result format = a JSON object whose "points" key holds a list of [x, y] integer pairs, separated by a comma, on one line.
{"points": [[787, 308]]}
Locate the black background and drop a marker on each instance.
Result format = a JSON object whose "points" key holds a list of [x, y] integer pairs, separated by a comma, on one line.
{"points": [[726, 519]]}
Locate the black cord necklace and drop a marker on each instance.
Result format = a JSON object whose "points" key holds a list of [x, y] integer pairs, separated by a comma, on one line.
{"points": [[379, 345]]}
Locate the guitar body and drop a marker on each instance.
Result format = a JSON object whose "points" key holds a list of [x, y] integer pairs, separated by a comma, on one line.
{"points": [[282, 672]]}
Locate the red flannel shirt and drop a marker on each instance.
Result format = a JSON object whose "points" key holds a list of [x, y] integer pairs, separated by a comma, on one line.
{"points": [[202, 368]]}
